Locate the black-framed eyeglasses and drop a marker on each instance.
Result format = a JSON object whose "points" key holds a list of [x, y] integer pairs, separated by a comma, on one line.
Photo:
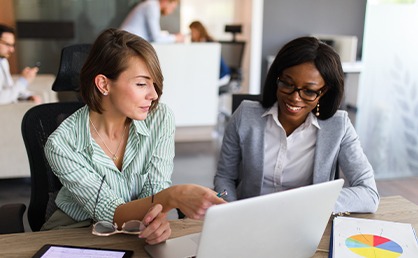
{"points": [[305, 94], [106, 228], [7, 44]]}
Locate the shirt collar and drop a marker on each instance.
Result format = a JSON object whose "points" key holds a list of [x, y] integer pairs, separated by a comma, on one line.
{"points": [[141, 127], [84, 139], [274, 112]]}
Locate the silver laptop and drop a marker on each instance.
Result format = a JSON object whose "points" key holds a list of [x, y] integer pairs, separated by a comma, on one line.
{"points": [[284, 224]]}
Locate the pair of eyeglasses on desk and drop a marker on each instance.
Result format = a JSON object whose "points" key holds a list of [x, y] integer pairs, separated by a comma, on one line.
{"points": [[106, 228], [132, 227]]}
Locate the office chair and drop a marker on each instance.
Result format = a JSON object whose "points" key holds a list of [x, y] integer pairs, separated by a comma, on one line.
{"points": [[38, 123], [238, 98], [68, 77], [11, 218]]}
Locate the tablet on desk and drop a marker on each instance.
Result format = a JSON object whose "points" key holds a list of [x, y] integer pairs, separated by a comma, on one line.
{"points": [[65, 251]]}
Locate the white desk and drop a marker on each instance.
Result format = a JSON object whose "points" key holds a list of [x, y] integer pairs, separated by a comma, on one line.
{"points": [[13, 158], [42, 86]]}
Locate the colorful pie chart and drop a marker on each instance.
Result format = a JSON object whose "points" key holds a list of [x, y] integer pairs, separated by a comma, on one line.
{"points": [[372, 246]]}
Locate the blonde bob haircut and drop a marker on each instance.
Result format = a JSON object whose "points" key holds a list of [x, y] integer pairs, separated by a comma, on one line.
{"points": [[109, 56]]}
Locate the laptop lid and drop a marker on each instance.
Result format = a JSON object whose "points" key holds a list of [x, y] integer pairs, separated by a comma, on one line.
{"points": [[286, 224]]}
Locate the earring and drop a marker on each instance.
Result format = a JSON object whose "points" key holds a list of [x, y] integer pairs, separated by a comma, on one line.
{"points": [[317, 109], [105, 93]]}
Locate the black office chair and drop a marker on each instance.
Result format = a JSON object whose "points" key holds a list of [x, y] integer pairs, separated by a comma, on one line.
{"points": [[38, 123], [11, 218], [68, 79], [238, 98]]}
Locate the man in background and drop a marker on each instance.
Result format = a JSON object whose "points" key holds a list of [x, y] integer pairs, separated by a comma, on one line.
{"points": [[12, 91], [144, 21]]}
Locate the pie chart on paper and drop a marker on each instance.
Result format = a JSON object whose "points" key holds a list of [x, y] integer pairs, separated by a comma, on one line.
{"points": [[372, 246]]}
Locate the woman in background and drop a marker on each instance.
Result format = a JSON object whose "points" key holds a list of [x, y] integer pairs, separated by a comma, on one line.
{"points": [[297, 136], [200, 34]]}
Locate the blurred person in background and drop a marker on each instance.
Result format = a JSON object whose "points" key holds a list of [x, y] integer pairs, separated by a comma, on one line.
{"points": [[144, 21], [12, 91], [199, 33]]}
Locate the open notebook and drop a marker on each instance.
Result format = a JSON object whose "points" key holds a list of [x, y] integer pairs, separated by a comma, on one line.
{"points": [[283, 224]]}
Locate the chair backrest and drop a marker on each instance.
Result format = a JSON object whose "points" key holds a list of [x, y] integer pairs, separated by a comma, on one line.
{"points": [[238, 98], [232, 52], [72, 60], [37, 124]]}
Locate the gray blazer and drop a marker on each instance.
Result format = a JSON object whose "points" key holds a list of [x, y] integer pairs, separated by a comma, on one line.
{"points": [[240, 166]]}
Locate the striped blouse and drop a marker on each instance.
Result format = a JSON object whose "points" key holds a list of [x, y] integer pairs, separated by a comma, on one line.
{"points": [[93, 187]]}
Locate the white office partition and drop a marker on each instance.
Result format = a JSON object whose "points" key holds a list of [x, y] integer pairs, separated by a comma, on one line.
{"points": [[387, 120], [191, 73]]}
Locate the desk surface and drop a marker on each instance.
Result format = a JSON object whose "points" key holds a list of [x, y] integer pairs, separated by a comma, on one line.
{"points": [[394, 208], [42, 86]]}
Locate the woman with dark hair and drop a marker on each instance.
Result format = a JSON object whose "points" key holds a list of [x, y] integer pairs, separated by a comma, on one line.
{"points": [[114, 156], [199, 33], [297, 136]]}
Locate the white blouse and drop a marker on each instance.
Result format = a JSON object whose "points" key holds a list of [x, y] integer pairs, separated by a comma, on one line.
{"points": [[288, 161]]}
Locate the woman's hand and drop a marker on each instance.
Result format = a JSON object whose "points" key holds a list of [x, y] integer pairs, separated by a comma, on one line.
{"points": [[157, 226], [36, 99], [194, 200]]}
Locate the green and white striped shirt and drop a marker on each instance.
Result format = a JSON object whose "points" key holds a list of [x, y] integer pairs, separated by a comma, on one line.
{"points": [[81, 164]]}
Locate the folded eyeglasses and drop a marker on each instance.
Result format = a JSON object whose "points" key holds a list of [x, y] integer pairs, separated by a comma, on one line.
{"points": [[105, 228]]}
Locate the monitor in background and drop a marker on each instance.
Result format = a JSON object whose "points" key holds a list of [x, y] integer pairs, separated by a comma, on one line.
{"points": [[234, 29]]}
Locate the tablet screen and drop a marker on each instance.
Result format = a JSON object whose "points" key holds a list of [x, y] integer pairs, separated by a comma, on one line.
{"points": [[63, 251]]}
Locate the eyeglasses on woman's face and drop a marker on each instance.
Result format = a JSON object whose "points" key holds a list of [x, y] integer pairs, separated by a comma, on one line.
{"points": [[305, 94]]}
